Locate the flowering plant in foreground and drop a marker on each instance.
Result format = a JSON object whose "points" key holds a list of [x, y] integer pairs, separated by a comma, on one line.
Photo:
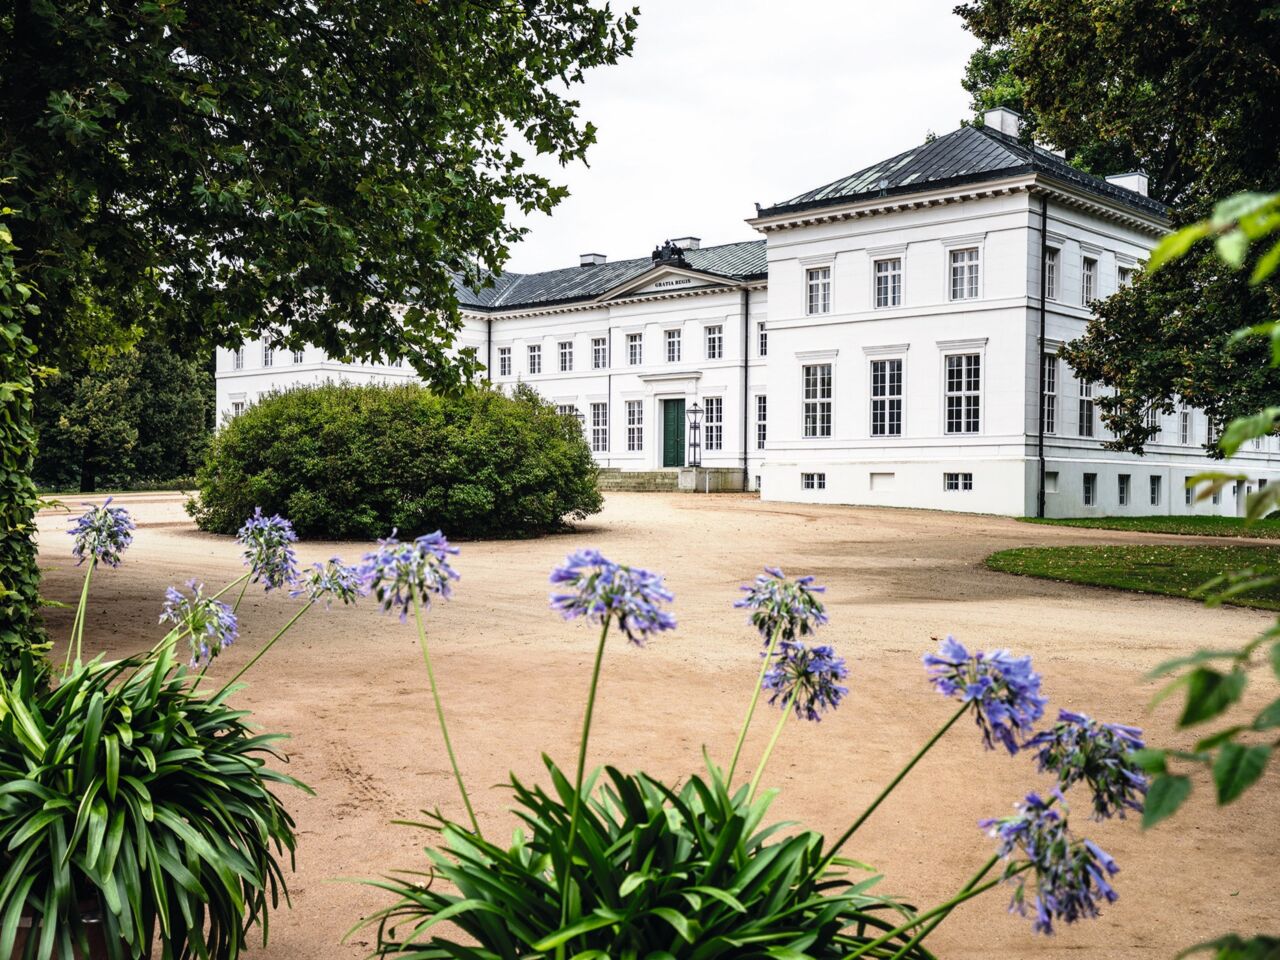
{"points": [[615, 864]]}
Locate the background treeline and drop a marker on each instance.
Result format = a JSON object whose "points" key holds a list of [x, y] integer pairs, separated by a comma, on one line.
{"points": [[142, 418]]}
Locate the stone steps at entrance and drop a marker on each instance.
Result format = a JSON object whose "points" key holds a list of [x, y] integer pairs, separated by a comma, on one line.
{"points": [[613, 479]]}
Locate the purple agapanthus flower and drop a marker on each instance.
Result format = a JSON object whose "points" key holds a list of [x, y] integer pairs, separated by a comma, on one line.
{"points": [[778, 603], [208, 624], [101, 534], [398, 573], [1004, 690], [268, 550], [1071, 876], [812, 674], [1079, 748], [598, 589], [331, 581]]}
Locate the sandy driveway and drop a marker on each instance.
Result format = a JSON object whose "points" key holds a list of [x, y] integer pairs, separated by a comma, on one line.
{"points": [[349, 686]]}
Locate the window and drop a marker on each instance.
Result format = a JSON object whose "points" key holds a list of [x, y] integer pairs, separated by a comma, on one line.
{"points": [[635, 425], [964, 392], [964, 274], [298, 356], [1153, 423], [818, 282], [1049, 401], [635, 349], [715, 342], [957, 481], [535, 358], [1187, 494], [889, 282], [762, 418], [1155, 490], [1124, 277], [1211, 432], [1088, 280], [813, 481], [237, 407], [673, 346], [886, 398], [566, 356], [268, 355], [762, 339], [1217, 497], [566, 409], [817, 400], [237, 358], [599, 427], [1086, 409], [504, 361], [599, 353], [713, 424], [398, 362], [1051, 273], [1122, 489], [1090, 489]]}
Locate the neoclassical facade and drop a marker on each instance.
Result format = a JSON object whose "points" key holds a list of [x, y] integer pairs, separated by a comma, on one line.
{"points": [[890, 340]]}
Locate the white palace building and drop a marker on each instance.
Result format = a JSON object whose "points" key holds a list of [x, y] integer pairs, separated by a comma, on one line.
{"points": [[891, 340]]}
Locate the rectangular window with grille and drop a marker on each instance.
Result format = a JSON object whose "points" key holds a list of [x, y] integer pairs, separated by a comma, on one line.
{"points": [[762, 420], [715, 342], [817, 400], [886, 398], [762, 339], [673, 346], [964, 393], [957, 481], [1124, 277], [1155, 490], [566, 356], [1122, 489], [535, 358], [713, 424], [1088, 280], [268, 355], [635, 349], [1085, 417], [1051, 273], [964, 274], [813, 481], [635, 425], [1184, 427], [504, 361], [599, 353], [889, 282], [237, 407], [818, 284], [1049, 402], [237, 358], [298, 356], [599, 427], [1153, 423], [1090, 490]]}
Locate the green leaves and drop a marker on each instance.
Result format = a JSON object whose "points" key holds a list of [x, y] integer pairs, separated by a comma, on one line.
{"points": [[1209, 693], [1165, 795], [1238, 768]]}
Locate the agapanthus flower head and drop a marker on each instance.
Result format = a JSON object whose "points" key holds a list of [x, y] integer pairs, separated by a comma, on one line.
{"points": [[268, 550], [1071, 876], [331, 581], [1004, 690], [811, 674], [398, 573], [1101, 754], [598, 590], [101, 533], [207, 623], [777, 603]]}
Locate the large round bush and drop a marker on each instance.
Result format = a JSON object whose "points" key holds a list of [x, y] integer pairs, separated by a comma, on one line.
{"points": [[353, 462]]}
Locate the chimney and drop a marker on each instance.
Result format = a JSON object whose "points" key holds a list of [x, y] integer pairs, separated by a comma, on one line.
{"points": [[688, 243], [591, 259], [1135, 180], [1003, 119]]}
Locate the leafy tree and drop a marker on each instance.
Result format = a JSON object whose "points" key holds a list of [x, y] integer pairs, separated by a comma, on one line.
{"points": [[1188, 90], [143, 416]]}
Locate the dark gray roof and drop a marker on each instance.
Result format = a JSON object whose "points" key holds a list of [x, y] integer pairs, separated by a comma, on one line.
{"points": [[967, 155], [512, 291]]}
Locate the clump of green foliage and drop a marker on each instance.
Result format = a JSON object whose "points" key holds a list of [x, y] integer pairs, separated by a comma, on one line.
{"points": [[354, 462]]}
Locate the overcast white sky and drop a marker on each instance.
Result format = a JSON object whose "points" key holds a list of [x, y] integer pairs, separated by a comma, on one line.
{"points": [[729, 102]]}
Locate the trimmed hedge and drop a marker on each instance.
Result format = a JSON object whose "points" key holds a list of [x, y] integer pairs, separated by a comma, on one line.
{"points": [[354, 462]]}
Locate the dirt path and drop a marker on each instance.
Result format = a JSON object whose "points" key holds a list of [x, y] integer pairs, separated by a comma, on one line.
{"points": [[348, 685]]}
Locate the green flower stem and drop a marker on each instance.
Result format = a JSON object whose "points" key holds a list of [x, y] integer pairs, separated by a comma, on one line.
{"points": [[444, 729], [844, 837], [267, 646], [929, 928], [755, 700], [576, 810], [244, 585], [773, 742], [77, 624], [939, 911]]}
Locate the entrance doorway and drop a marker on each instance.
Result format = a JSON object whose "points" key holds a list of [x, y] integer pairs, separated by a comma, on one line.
{"points": [[673, 433]]}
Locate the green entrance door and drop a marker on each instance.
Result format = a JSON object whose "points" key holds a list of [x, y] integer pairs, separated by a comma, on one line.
{"points": [[673, 433]]}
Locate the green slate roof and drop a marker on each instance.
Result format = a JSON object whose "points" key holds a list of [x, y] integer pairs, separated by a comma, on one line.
{"points": [[967, 155], [513, 291]]}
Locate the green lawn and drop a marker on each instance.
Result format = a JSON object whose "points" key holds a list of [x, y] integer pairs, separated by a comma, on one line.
{"points": [[1187, 526], [1173, 571]]}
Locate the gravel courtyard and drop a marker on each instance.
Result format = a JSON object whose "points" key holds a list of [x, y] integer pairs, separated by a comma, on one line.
{"points": [[349, 686]]}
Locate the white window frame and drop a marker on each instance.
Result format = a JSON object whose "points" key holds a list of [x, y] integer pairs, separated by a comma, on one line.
{"points": [[957, 482], [817, 290], [635, 426], [238, 407], [1124, 485], [599, 427], [886, 294], [1153, 420], [534, 358], [762, 420], [1088, 279], [565, 350], [268, 356], [1124, 275], [599, 353], [1156, 485], [299, 356], [237, 358], [713, 341], [1049, 397], [635, 349], [713, 423], [810, 480], [1051, 277], [1089, 489], [970, 275], [887, 399], [672, 339], [762, 339], [822, 403], [1085, 404], [963, 393], [504, 361], [1185, 435]]}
